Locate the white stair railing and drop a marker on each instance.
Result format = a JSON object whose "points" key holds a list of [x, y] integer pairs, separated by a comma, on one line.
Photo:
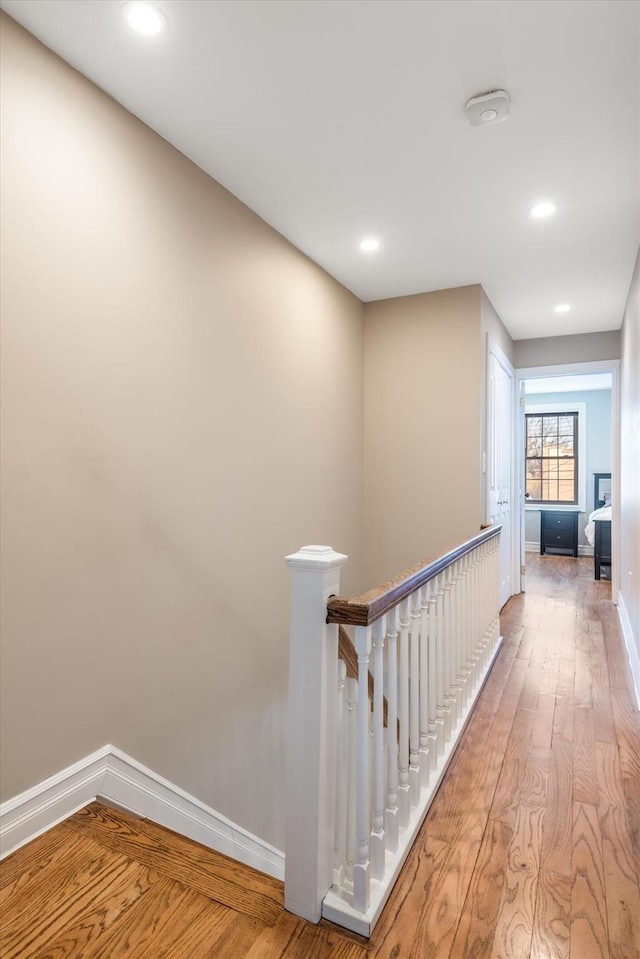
{"points": [[364, 768]]}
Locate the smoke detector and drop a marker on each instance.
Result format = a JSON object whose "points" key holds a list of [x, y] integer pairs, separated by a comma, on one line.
{"points": [[492, 107]]}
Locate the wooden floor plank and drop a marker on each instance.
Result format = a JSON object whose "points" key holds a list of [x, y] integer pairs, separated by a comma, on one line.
{"points": [[589, 938], [195, 927], [476, 929], [109, 906], [438, 923], [419, 880], [514, 929], [621, 880], [551, 937], [513, 773], [211, 873], [145, 920], [557, 833], [73, 865], [275, 942], [24, 864], [103, 885], [604, 728], [60, 863], [585, 778]]}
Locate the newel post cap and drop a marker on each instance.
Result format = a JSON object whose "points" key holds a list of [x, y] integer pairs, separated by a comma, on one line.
{"points": [[315, 558]]}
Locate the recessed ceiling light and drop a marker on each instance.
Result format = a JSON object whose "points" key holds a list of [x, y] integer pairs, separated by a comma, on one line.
{"points": [[541, 210], [369, 245], [562, 308], [144, 18]]}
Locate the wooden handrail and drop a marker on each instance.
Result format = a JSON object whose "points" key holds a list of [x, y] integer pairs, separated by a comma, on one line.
{"points": [[366, 609]]}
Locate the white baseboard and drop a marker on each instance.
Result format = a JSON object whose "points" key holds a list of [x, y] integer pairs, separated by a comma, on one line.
{"points": [[111, 775], [630, 643], [33, 812], [531, 547]]}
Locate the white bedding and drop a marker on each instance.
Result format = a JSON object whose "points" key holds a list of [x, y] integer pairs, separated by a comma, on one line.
{"points": [[590, 529]]}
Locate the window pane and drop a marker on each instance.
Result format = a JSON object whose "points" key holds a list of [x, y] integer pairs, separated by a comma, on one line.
{"points": [[534, 446], [534, 425], [534, 489], [565, 491], [566, 446]]}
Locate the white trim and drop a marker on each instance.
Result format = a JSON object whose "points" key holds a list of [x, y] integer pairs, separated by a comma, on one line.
{"points": [[111, 775], [632, 646], [531, 547], [551, 507], [494, 348]]}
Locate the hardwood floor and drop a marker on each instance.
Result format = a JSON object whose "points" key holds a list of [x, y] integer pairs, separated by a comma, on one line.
{"points": [[531, 849]]}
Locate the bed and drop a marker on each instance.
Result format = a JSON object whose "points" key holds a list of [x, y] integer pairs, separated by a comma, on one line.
{"points": [[598, 528]]}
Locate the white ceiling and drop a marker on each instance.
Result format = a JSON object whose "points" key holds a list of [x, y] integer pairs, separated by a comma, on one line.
{"points": [[336, 119]]}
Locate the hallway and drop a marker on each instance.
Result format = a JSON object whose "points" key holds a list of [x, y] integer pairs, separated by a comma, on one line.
{"points": [[531, 849]]}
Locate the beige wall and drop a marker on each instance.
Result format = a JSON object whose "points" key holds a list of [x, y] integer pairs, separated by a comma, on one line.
{"points": [[181, 407], [423, 376], [557, 350], [630, 458]]}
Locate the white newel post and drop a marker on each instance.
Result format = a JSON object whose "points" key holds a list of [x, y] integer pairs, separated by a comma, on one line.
{"points": [[312, 719]]}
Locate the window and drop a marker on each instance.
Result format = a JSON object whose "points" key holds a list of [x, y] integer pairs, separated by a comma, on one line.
{"points": [[551, 457]]}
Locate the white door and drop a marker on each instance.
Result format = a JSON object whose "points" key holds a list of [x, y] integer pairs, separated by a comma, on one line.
{"points": [[500, 458]]}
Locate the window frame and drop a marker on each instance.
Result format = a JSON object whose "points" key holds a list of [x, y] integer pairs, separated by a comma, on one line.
{"points": [[551, 461], [542, 409]]}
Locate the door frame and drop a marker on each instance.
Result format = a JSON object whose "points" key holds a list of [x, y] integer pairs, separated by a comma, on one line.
{"points": [[564, 369], [494, 348]]}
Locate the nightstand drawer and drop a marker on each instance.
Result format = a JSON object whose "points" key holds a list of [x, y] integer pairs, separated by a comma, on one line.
{"points": [[559, 532], [560, 537], [557, 521]]}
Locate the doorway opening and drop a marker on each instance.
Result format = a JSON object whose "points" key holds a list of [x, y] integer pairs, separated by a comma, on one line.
{"points": [[567, 444]]}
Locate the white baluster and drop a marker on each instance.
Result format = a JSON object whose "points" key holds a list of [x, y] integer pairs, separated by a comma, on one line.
{"points": [[362, 864], [485, 623], [434, 753], [403, 762], [465, 613], [495, 591], [378, 839], [391, 813], [352, 775], [447, 698], [475, 614], [342, 745], [489, 606], [456, 689], [440, 664], [482, 608], [414, 701], [424, 686]]}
